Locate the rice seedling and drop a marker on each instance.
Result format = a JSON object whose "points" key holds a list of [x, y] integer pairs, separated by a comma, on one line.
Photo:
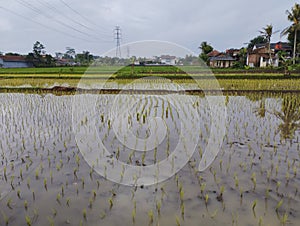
{"points": [[284, 219], [181, 193], [202, 187], [75, 170], [260, 221], [236, 180], [4, 173], [206, 199], [278, 183], [84, 214], [177, 221], [253, 179], [26, 205], [37, 174], [5, 218], [33, 195], [91, 201], [19, 193], [82, 182], [158, 207], [9, 203], [279, 204], [68, 202], [253, 207], [45, 184], [21, 173], [111, 203], [28, 220], [151, 217], [58, 198]]}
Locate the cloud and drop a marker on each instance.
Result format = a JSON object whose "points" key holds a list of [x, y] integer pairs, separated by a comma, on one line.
{"points": [[88, 25], [5, 25]]}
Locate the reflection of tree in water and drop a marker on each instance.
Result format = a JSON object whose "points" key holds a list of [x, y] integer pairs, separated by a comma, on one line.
{"points": [[261, 110], [290, 116]]}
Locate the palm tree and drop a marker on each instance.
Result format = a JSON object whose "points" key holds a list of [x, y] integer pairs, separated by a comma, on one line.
{"points": [[294, 17], [267, 32]]}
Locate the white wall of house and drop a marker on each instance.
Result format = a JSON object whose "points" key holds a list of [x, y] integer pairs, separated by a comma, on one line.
{"points": [[263, 62], [14, 64], [168, 61]]}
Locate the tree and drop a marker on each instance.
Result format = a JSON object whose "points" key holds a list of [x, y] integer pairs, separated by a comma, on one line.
{"points": [[257, 40], [242, 56], [205, 49], [38, 56], [267, 32], [289, 117], [38, 49], [84, 58], [294, 17], [70, 53], [12, 54]]}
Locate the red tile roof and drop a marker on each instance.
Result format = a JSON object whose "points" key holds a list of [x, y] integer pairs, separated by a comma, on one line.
{"points": [[213, 53], [13, 58]]}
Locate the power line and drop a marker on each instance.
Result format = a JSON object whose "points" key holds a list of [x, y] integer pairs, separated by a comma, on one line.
{"points": [[59, 12], [118, 38], [40, 12], [82, 16], [42, 25], [54, 9]]}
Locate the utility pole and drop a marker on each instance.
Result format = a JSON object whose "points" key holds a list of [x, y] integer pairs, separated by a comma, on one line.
{"points": [[117, 33]]}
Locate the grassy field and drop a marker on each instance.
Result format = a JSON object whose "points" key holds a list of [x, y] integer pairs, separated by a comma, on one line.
{"points": [[139, 69], [229, 79]]}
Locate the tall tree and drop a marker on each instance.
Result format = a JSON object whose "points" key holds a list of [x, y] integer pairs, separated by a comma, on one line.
{"points": [[70, 53], [294, 17], [205, 49], [267, 32], [257, 40], [38, 49]]}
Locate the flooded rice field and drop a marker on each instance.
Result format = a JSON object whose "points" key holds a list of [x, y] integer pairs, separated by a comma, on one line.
{"points": [[49, 178]]}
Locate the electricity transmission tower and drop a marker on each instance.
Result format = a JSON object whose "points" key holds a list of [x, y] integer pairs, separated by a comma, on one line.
{"points": [[117, 32]]}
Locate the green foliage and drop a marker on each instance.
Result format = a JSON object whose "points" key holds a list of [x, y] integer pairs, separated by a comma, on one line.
{"points": [[257, 40], [293, 30], [205, 49]]}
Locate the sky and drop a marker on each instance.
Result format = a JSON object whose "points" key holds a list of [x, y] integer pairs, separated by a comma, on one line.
{"points": [[88, 25]]}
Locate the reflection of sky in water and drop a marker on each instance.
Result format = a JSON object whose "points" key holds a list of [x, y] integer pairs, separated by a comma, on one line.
{"points": [[33, 125]]}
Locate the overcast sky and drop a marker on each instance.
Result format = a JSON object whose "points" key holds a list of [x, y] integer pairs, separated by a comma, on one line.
{"points": [[88, 24]]}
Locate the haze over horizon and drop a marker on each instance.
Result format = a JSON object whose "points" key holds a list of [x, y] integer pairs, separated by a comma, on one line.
{"points": [[88, 25]]}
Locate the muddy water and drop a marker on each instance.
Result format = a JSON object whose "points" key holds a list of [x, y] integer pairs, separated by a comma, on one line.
{"points": [[257, 169]]}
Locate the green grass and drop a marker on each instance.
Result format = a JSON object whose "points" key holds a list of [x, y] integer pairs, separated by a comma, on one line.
{"points": [[229, 79], [139, 69]]}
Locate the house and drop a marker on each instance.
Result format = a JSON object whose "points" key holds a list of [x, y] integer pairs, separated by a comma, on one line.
{"points": [[220, 60], [233, 52], [259, 56], [9, 61], [167, 59], [213, 53], [276, 47], [65, 62]]}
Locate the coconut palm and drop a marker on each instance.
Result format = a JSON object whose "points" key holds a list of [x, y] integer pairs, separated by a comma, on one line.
{"points": [[294, 17], [267, 32]]}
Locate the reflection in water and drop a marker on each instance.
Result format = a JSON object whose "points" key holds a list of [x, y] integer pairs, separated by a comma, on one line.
{"points": [[38, 145], [290, 117], [261, 110]]}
